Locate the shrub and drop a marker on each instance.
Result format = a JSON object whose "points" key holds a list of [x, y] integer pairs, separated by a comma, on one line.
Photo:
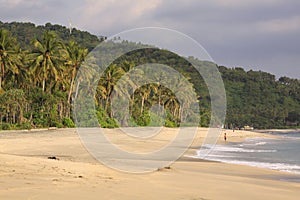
{"points": [[25, 125], [39, 122], [156, 120], [6, 126], [68, 122], [105, 121], [170, 124]]}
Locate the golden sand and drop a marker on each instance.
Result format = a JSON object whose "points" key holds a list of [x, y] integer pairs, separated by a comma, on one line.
{"points": [[27, 173]]}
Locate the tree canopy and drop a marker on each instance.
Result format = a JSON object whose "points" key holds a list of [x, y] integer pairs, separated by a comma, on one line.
{"points": [[39, 64]]}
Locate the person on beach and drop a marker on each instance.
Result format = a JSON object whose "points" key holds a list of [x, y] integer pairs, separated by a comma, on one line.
{"points": [[225, 137]]}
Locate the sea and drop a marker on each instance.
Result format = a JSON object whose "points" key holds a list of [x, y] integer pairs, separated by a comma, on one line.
{"points": [[281, 153]]}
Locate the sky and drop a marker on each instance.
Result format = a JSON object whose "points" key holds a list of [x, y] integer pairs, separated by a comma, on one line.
{"points": [[253, 34]]}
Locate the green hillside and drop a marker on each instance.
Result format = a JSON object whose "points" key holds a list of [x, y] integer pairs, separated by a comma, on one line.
{"points": [[39, 65], [25, 32]]}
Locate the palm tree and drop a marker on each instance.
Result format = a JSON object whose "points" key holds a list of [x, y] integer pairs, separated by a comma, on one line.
{"points": [[21, 79], [76, 56], [127, 66], [47, 58], [186, 92], [172, 104], [86, 78], [108, 82], [9, 57], [145, 92]]}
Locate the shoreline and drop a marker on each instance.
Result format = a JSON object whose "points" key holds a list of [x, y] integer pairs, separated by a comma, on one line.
{"points": [[272, 131], [272, 165]]}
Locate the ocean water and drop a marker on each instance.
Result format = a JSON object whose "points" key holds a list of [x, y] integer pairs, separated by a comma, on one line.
{"points": [[281, 154]]}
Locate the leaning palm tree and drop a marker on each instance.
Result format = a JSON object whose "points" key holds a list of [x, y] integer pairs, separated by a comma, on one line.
{"points": [[47, 58], [108, 82], [9, 56], [76, 56], [145, 92], [186, 92]]}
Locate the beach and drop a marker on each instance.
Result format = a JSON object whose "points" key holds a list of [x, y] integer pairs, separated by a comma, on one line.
{"points": [[54, 164]]}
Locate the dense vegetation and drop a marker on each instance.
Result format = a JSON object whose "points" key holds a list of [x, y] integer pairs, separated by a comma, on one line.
{"points": [[25, 32], [257, 99], [39, 65]]}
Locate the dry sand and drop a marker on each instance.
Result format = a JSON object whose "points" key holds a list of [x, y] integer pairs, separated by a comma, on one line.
{"points": [[27, 173]]}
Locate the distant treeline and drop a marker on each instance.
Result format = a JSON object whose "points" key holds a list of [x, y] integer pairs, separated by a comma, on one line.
{"points": [[258, 99], [26, 32], [39, 65]]}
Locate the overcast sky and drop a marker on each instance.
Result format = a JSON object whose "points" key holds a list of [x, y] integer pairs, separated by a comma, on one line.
{"points": [[253, 34]]}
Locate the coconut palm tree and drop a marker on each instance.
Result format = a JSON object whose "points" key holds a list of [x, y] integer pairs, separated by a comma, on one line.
{"points": [[9, 57], [47, 58], [76, 56], [108, 82], [172, 104], [144, 93], [185, 91], [20, 79]]}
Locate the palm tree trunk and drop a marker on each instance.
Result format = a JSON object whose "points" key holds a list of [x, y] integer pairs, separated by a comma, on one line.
{"points": [[70, 91], [142, 107], [7, 113], [61, 110], [131, 104], [14, 117], [111, 114], [77, 89], [43, 85], [1, 75], [158, 104], [71, 87], [106, 105]]}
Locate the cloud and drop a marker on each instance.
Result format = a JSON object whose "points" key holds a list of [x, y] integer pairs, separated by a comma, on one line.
{"points": [[246, 3], [291, 24], [110, 15], [35, 11], [256, 34], [253, 34]]}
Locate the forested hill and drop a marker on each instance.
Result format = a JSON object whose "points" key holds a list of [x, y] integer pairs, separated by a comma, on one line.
{"points": [[37, 84], [25, 32], [258, 99]]}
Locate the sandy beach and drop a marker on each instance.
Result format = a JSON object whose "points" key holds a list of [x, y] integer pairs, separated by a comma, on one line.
{"points": [[26, 172]]}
